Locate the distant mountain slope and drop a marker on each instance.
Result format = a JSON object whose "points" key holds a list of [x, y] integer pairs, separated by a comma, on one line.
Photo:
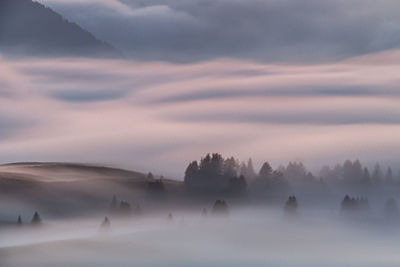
{"points": [[28, 27]]}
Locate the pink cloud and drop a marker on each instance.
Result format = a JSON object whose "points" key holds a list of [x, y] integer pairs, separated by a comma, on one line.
{"points": [[316, 113]]}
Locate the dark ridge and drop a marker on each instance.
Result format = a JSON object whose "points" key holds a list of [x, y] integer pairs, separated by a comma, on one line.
{"points": [[30, 28]]}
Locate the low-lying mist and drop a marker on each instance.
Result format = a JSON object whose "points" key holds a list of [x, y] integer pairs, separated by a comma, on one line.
{"points": [[244, 237], [224, 213]]}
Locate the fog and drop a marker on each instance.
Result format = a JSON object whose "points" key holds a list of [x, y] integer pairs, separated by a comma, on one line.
{"points": [[247, 237], [89, 215], [252, 133]]}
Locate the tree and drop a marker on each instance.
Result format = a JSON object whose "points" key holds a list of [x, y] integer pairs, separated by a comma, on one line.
{"points": [[124, 207], [229, 167], [113, 204], [192, 171], [150, 176], [156, 189], [36, 218], [291, 205], [295, 171], [220, 208], [377, 174], [366, 176], [106, 224], [265, 171], [247, 170], [389, 176], [213, 174], [237, 186]]}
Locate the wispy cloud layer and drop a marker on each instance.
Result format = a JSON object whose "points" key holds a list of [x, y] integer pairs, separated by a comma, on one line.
{"points": [[147, 115], [270, 30]]}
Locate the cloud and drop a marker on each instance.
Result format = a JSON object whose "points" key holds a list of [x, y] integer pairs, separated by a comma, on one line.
{"points": [[11, 124], [279, 31], [158, 115]]}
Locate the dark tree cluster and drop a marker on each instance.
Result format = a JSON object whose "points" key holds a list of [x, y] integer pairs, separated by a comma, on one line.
{"points": [[220, 207], [268, 181], [353, 173], [124, 207], [291, 205], [247, 170], [215, 174], [36, 219], [155, 187], [354, 205], [296, 172]]}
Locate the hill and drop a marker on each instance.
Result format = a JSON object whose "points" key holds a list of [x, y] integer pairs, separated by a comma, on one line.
{"points": [[28, 27], [70, 189]]}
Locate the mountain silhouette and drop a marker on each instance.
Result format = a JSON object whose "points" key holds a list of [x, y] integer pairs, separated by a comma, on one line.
{"points": [[28, 27]]}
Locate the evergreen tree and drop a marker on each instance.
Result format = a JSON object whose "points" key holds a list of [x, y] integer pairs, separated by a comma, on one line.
{"points": [[124, 207], [220, 208], [265, 171], [291, 205], [377, 174], [366, 176], [389, 176], [36, 218], [113, 204], [106, 224], [150, 176], [191, 173]]}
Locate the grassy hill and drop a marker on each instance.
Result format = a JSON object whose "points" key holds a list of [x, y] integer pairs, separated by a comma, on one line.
{"points": [[67, 189]]}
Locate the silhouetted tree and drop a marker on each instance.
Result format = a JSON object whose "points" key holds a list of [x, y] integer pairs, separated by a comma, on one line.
{"points": [[156, 186], [352, 172], [191, 173], [247, 170], [377, 174], [220, 207], [156, 189], [114, 201], [295, 171], [36, 218], [124, 207], [106, 224], [237, 186], [150, 176], [389, 176], [291, 205], [265, 171], [366, 177], [214, 174], [351, 205]]}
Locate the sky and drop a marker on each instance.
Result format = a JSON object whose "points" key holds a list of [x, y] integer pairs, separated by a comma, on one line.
{"points": [[268, 30], [315, 81]]}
